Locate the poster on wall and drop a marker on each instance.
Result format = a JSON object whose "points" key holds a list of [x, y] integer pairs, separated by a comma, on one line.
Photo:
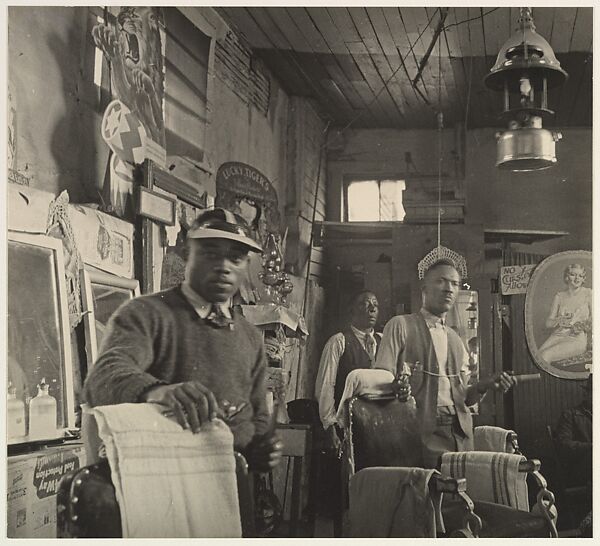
{"points": [[558, 314], [103, 241], [244, 190], [132, 41]]}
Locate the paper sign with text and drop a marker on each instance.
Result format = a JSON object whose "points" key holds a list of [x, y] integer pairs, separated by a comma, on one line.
{"points": [[515, 278]]}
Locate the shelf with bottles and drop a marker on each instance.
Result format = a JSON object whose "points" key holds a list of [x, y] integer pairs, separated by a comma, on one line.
{"points": [[35, 422]]}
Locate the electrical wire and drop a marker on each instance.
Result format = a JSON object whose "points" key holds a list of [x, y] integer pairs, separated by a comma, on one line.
{"points": [[385, 84], [481, 16], [440, 117], [470, 77]]}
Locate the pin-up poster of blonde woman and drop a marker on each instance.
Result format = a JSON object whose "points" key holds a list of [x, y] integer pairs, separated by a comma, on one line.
{"points": [[558, 314]]}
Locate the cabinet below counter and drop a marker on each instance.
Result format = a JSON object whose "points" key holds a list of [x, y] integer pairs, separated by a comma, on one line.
{"points": [[32, 483]]}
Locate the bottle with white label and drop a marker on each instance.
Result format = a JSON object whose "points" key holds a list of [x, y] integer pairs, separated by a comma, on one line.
{"points": [[15, 415], [42, 414]]}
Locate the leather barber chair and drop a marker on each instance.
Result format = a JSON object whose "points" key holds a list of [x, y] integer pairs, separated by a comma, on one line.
{"points": [[87, 505], [383, 431], [499, 520]]}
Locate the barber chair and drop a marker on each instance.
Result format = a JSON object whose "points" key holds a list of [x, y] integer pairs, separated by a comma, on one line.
{"points": [[385, 432], [501, 521], [87, 505]]}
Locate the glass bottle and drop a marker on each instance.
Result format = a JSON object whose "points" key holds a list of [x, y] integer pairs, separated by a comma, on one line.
{"points": [[15, 418], [42, 414]]}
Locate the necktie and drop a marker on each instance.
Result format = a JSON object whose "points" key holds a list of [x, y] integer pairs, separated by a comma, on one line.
{"points": [[217, 318], [370, 346]]}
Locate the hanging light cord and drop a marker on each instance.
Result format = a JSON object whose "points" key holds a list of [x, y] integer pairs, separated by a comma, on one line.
{"points": [[440, 123]]}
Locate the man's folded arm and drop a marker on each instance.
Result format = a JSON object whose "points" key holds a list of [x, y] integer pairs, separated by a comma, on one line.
{"points": [[120, 374]]}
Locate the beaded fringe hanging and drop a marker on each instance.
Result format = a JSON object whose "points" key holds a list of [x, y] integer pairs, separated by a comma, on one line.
{"points": [[443, 253]]}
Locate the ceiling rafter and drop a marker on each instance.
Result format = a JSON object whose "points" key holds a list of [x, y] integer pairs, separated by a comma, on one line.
{"points": [[373, 66]]}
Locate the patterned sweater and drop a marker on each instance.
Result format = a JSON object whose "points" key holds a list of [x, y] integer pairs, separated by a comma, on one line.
{"points": [[159, 339]]}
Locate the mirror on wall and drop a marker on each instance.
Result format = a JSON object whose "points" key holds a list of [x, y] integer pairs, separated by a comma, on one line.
{"points": [[38, 348], [463, 318]]}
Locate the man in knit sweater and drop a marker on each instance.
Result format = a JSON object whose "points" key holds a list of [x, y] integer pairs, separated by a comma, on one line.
{"points": [[185, 348], [421, 344]]}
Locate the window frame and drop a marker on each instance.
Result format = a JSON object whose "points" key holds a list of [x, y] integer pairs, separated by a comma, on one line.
{"points": [[350, 179]]}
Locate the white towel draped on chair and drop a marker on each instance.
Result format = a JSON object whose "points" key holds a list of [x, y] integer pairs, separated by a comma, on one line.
{"points": [[487, 438], [170, 482], [363, 381], [491, 477]]}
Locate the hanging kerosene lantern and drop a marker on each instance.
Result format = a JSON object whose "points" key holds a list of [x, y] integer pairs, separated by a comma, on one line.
{"points": [[525, 69]]}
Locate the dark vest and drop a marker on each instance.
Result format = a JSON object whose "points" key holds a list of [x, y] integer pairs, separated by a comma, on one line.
{"points": [[419, 353], [353, 358]]}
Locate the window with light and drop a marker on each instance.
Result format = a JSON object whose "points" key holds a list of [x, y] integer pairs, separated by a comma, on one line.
{"points": [[374, 200]]}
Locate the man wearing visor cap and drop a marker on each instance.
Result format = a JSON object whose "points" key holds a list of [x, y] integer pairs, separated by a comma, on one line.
{"points": [[187, 349]]}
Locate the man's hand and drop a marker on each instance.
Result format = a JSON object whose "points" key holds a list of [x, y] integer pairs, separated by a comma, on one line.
{"points": [[264, 453], [503, 381], [333, 442], [191, 402], [401, 387]]}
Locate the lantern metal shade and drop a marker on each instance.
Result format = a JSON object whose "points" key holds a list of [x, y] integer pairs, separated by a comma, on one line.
{"points": [[525, 52]]}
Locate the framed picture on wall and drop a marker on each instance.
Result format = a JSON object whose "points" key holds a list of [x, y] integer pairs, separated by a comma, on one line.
{"points": [[102, 293], [39, 343], [558, 314]]}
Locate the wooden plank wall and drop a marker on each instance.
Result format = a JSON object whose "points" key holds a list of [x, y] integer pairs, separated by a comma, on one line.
{"points": [[306, 195], [539, 403], [238, 69]]}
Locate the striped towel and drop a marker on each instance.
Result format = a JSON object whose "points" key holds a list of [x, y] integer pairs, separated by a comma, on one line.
{"points": [[486, 438], [168, 481], [363, 381], [491, 477]]}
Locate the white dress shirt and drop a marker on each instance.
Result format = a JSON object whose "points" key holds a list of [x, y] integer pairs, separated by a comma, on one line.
{"points": [[439, 337], [200, 305], [328, 368], [394, 341]]}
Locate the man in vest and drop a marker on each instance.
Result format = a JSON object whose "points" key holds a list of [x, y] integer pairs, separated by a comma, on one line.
{"points": [[353, 348], [437, 360]]}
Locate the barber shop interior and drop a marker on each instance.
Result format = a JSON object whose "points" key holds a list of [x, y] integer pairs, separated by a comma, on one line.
{"points": [[299, 272]]}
